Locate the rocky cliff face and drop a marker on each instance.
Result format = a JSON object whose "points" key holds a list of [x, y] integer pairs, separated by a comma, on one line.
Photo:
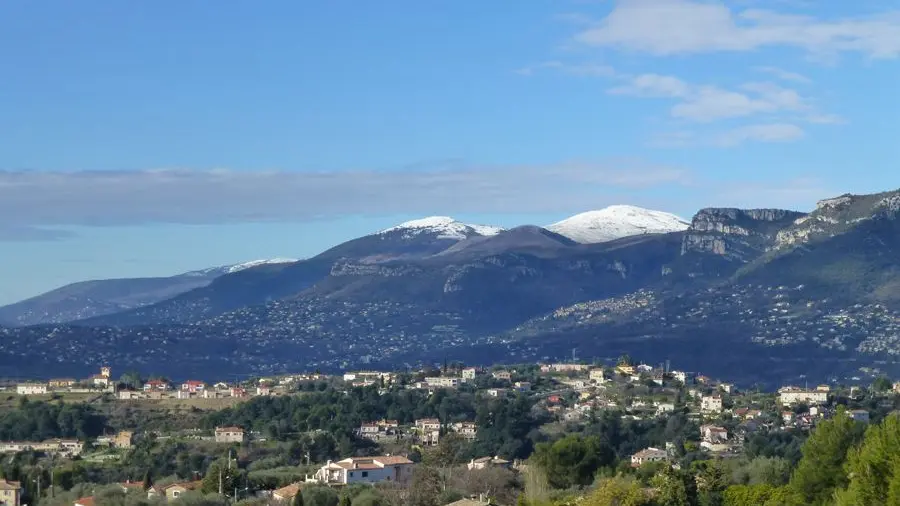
{"points": [[737, 234], [837, 216]]}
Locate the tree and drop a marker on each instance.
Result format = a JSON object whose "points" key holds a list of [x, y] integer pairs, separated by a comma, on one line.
{"points": [[881, 384], [618, 492], [821, 470], [345, 500], [298, 497], [874, 468], [148, 480], [425, 487], [573, 460], [671, 489]]}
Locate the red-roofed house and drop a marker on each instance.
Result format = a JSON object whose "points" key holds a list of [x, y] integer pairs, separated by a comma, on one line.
{"points": [[193, 386]]}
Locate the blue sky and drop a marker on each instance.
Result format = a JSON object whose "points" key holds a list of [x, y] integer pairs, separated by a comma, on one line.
{"points": [[157, 137]]}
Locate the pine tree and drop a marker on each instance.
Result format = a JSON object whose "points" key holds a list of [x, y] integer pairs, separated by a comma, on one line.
{"points": [[298, 498], [148, 480]]}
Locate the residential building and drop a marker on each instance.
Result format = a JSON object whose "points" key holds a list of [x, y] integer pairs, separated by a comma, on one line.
{"points": [[10, 493], [229, 435], [366, 470], [495, 392], [486, 462], [428, 424], [443, 381], [523, 386], [176, 490], [469, 373], [263, 390], [711, 403], [597, 375], [61, 382], [680, 376], [713, 434], [728, 388], [468, 430], [790, 395], [156, 384], [625, 369], [193, 386], [860, 415], [287, 494], [124, 439], [563, 368], [648, 455], [104, 379], [66, 447], [502, 375], [31, 388]]}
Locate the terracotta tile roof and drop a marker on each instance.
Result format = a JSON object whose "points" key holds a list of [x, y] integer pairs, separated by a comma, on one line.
{"points": [[289, 491], [229, 429], [85, 501], [188, 485]]}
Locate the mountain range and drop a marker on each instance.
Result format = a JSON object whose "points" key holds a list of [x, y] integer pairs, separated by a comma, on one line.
{"points": [[762, 294]]}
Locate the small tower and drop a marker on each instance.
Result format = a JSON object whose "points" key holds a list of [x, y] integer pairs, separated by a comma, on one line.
{"points": [[106, 372]]}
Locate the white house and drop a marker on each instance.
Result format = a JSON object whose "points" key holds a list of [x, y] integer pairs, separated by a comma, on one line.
{"points": [[469, 373], [596, 375], [31, 388], [648, 455], [443, 381], [229, 435], [711, 404], [794, 395], [366, 470]]}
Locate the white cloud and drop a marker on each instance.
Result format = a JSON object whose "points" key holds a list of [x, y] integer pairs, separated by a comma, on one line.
{"points": [[30, 200], [785, 75], [771, 132], [664, 27], [653, 85], [707, 103]]}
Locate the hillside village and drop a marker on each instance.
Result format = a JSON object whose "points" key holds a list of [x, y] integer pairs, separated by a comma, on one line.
{"points": [[564, 393]]}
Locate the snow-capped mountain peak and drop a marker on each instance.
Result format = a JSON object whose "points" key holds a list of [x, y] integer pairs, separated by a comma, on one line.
{"points": [[615, 222], [229, 269], [444, 227], [253, 263]]}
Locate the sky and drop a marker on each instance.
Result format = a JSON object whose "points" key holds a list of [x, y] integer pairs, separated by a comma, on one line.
{"points": [[152, 138]]}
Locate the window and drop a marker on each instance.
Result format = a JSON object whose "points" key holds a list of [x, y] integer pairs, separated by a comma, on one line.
{"points": [[365, 474], [351, 474]]}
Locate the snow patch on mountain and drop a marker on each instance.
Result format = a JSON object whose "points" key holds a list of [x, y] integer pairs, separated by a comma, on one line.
{"points": [[615, 222], [229, 269], [254, 263], [444, 227]]}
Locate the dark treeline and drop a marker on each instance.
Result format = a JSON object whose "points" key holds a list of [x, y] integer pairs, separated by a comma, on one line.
{"points": [[37, 421]]}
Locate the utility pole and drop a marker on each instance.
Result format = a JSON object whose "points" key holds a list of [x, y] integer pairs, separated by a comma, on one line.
{"points": [[38, 498], [220, 482]]}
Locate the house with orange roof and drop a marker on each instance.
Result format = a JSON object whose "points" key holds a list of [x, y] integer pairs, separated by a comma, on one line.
{"points": [[10, 492], [287, 494]]}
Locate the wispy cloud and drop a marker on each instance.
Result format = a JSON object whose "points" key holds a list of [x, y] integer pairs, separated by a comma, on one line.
{"points": [[664, 27], [770, 132], [582, 69], [35, 199], [706, 103], [784, 75], [18, 233]]}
